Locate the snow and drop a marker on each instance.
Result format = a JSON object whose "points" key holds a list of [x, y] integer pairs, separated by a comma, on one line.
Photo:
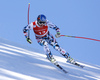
{"points": [[19, 62]]}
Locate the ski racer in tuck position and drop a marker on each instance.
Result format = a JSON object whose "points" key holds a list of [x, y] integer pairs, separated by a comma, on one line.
{"points": [[43, 36]]}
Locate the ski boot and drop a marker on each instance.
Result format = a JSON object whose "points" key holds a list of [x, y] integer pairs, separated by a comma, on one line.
{"points": [[51, 58], [69, 59]]}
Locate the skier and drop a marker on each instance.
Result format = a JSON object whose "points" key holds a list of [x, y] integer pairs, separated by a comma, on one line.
{"points": [[43, 36]]}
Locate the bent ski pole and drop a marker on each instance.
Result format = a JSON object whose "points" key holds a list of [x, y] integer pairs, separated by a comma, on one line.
{"points": [[80, 37], [28, 18]]}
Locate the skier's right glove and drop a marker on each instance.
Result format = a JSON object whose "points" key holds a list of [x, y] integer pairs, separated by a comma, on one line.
{"points": [[29, 40], [57, 35]]}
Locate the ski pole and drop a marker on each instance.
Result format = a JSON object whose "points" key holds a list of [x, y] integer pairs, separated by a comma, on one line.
{"points": [[28, 18], [80, 37]]}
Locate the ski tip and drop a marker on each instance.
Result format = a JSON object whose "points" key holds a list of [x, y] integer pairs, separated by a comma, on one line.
{"points": [[82, 66], [65, 72]]}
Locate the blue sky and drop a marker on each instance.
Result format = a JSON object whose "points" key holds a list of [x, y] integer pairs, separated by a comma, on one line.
{"points": [[73, 17]]}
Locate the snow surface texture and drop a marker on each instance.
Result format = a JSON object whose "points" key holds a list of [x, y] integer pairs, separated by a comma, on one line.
{"points": [[19, 62]]}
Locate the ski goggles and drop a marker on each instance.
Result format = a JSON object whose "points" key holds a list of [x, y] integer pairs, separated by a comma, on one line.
{"points": [[42, 22]]}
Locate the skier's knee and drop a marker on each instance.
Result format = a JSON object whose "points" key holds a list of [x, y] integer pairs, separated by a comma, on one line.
{"points": [[43, 43], [55, 45], [46, 49]]}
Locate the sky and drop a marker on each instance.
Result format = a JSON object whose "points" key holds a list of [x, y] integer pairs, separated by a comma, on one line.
{"points": [[73, 17]]}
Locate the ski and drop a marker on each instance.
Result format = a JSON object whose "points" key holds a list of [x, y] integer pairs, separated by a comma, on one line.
{"points": [[76, 64], [79, 65], [58, 65], [61, 68]]}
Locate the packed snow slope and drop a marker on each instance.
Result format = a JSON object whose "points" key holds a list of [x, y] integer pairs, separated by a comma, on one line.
{"points": [[19, 62]]}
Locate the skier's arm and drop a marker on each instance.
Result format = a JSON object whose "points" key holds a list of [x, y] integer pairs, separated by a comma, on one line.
{"points": [[25, 31], [53, 26]]}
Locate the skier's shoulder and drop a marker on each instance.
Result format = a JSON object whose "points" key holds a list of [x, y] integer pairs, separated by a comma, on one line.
{"points": [[49, 23], [32, 24]]}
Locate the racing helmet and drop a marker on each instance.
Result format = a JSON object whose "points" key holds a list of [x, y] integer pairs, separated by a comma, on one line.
{"points": [[41, 19]]}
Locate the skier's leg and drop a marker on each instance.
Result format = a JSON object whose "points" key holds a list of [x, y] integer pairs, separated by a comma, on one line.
{"points": [[58, 48], [63, 52], [52, 42], [47, 50]]}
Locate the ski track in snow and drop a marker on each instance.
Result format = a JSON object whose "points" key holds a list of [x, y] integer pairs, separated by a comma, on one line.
{"points": [[18, 62]]}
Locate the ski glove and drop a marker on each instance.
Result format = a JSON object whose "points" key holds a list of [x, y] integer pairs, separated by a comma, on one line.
{"points": [[29, 40], [57, 35]]}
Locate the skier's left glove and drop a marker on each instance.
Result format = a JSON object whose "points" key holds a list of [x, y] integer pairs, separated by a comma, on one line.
{"points": [[29, 40], [57, 35]]}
